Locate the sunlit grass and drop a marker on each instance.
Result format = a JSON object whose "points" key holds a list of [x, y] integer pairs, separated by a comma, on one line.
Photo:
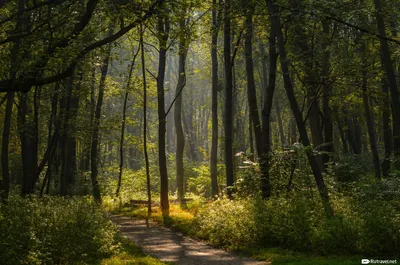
{"points": [[276, 256], [180, 218], [131, 254]]}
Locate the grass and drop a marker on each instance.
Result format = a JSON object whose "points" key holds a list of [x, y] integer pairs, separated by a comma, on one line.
{"points": [[131, 254], [276, 256], [182, 220]]}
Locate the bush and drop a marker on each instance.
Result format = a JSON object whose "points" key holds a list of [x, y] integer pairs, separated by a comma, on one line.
{"points": [[227, 222], [54, 230], [348, 168], [298, 222], [198, 178]]}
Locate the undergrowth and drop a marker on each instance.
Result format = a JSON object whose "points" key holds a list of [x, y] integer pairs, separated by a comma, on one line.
{"points": [[55, 230]]}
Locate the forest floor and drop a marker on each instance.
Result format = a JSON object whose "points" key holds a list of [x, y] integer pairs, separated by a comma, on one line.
{"points": [[171, 246]]}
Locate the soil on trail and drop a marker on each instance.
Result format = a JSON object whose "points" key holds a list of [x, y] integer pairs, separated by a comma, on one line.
{"points": [[170, 246]]}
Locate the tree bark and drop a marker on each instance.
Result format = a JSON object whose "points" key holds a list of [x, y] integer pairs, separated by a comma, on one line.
{"points": [[275, 21], [228, 99], [146, 156], [251, 85], [5, 182], [170, 118], [5, 142], [390, 74], [370, 126], [280, 123], [387, 131], [94, 153], [180, 137], [121, 142], [163, 30], [28, 151], [326, 95], [266, 117], [214, 100], [367, 110], [70, 103]]}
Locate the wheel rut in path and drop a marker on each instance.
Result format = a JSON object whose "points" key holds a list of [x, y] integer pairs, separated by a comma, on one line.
{"points": [[170, 246]]}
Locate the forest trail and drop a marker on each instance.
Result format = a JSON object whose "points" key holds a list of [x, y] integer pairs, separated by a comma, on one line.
{"points": [[171, 246]]}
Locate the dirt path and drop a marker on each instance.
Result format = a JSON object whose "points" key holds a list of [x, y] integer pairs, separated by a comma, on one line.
{"points": [[170, 246]]}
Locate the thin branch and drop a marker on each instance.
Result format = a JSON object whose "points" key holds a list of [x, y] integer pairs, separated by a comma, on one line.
{"points": [[155, 77], [151, 45], [24, 85], [36, 6], [334, 18], [176, 97], [236, 48]]}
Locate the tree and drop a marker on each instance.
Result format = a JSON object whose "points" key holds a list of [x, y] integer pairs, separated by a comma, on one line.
{"points": [[317, 170], [163, 28], [214, 104], [121, 143], [96, 123], [146, 156], [390, 75], [228, 98], [180, 137]]}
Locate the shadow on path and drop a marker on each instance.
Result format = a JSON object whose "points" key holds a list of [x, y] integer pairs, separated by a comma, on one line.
{"points": [[170, 246]]}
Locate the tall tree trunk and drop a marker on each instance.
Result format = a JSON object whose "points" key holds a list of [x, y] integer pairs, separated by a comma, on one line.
{"points": [[387, 131], [180, 137], [121, 141], [390, 74], [5, 182], [163, 30], [275, 21], [91, 105], [170, 118], [251, 85], [146, 156], [311, 78], [28, 152], [370, 125], [228, 98], [266, 117], [189, 128], [94, 153], [51, 149], [293, 134], [280, 123], [368, 114], [326, 95], [70, 103], [357, 134], [251, 142]]}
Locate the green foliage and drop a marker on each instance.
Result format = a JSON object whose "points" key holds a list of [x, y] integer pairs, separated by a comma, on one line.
{"points": [[228, 222], [349, 168], [54, 230], [199, 180], [298, 222]]}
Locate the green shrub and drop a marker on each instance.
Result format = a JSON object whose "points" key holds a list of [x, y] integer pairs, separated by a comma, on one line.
{"points": [[349, 168], [297, 222], [54, 230], [227, 222], [198, 178]]}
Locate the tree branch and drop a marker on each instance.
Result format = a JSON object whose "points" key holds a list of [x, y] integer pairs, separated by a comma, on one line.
{"points": [[24, 85]]}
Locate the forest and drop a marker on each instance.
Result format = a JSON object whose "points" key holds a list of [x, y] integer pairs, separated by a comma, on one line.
{"points": [[269, 129]]}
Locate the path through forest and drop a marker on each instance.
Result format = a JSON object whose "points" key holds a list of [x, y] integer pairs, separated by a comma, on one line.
{"points": [[170, 246]]}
